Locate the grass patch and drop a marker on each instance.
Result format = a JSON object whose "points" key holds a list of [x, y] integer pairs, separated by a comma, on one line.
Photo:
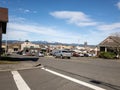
{"points": [[8, 62]]}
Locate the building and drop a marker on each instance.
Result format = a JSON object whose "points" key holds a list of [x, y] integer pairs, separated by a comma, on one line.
{"points": [[68, 47], [28, 45], [29, 48], [110, 44], [3, 24], [18, 46], [11, 47]]}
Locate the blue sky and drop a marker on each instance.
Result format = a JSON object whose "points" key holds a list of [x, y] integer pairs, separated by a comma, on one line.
{"points": [[66, 21]]}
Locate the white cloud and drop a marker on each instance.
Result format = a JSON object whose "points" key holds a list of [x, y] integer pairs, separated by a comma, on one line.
{"points": [[23, 31], [17, 35], [33, 29], [17, 20], [118, 5], [114, 26], [22, 10], [20, 28], [26, 11], [77, 18]]}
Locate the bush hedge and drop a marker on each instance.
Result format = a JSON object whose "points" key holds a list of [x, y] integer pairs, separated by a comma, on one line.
{"points": [[107, 55]]}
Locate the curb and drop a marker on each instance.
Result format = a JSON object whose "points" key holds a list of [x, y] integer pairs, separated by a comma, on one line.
{"points": [[20, 69], [24, 68]]}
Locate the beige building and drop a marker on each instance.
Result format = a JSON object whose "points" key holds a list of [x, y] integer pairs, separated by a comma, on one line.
{"points": [[10, 48], [15, 47], [28, 44], [52, 47]]}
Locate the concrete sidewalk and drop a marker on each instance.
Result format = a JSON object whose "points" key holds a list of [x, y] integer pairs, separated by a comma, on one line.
{"points": [[20, 65]]}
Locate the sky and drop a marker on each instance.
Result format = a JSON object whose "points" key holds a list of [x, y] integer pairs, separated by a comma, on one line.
{"points": [[65, 21]]}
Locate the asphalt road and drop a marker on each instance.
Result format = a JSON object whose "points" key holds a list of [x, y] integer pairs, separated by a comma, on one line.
{"points": [[101, 72], [98, 72]]}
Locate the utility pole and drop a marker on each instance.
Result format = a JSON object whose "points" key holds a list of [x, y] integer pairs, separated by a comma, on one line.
{"points": [[0, 40], [6, 45], [78, 42]]}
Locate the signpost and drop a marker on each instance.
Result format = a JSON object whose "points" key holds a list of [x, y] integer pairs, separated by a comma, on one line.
{"points": [[3, 24]]}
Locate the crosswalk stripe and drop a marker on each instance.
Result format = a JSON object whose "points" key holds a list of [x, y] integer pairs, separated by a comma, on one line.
{"points": [[74, 80], [21, 84]]}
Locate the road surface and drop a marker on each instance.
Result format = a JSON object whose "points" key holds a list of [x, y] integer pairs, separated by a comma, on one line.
{"points": [[65, 74]]}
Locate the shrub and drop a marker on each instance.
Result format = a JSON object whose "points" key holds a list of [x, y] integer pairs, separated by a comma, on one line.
{"points": [[107, 55]]}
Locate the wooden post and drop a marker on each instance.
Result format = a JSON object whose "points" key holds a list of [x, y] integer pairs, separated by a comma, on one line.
{"points": [[0, 40], [105, 49]]}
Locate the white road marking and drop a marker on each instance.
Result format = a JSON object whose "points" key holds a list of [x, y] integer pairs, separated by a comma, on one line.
{"points": [[21, 84], [74, 80]]}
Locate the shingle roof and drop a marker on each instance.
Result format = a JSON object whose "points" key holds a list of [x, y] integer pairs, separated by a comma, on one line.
{"points": [[111, 41]]}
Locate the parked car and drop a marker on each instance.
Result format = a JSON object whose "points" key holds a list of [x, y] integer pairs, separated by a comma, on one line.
{"points": [[20, 52], [78, 54], [63, 54], [88, 55], [53, 52], [24, 53], [41, 54], [81, 54]]}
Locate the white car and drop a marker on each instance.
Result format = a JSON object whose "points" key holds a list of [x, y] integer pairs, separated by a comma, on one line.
{"points": [[41, 54], [63, 54], [81, 55]]}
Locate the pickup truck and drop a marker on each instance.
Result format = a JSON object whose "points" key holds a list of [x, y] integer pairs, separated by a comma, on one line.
{"points": [[63, 54]]}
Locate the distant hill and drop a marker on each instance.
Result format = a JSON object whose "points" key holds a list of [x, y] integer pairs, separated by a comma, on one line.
{"points": [[45, 43], [11, 41]]}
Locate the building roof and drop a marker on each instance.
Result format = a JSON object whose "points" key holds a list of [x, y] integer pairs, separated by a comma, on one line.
{"points": [[3, 18], [111, 41], [26, 40], [3, 14]]}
